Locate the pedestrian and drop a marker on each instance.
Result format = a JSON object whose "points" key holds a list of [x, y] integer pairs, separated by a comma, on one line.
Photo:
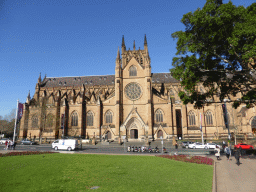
{"points": [[6, 144], [217, 152], [11, 144], [228, 151], [237, 156], [176, 145]]}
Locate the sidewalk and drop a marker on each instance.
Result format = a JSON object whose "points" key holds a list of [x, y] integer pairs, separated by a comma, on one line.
{"points": [[231, 177]]}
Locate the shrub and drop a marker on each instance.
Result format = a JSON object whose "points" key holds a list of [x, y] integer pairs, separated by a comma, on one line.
{"points": [[189, 159]]}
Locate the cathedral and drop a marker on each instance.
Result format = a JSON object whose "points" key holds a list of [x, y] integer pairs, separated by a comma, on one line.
{"points": [[132, 104]]}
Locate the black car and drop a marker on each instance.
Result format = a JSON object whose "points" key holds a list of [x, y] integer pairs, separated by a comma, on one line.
{"points": [[186, 143]]}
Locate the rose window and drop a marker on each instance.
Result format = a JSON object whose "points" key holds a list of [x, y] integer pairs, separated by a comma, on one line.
{"points": [[133, 91]]}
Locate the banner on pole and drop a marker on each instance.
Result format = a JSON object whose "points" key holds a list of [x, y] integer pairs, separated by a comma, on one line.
{"points": [[20, 111], [200, 122]]}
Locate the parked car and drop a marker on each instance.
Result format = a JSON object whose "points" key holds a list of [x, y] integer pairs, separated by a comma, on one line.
{"points": [[186, 143], [212, 145], [67, 144], [243, 146], [27, 142], [3, 140], [197, 146]]}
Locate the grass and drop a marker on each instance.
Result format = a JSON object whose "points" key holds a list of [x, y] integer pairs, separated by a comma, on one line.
{"points": [[80, 172]]}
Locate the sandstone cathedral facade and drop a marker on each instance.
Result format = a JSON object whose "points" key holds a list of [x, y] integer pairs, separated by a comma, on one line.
{"points": [[133, 104]]}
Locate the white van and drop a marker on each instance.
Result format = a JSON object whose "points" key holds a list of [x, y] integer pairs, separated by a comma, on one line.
{"points": [[67, 144]]}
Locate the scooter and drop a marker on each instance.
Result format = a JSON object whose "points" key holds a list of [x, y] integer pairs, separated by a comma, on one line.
{"points": [[156, 150], [135, 149], [164, 150], [139, 149], [150, 150], [129, 149], [132, 149]]}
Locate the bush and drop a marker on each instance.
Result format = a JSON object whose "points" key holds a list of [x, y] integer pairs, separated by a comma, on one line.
{"points": [[25, 153], [189, 159]]}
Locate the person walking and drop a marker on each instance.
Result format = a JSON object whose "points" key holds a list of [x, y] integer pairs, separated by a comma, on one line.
{"points": [[176, 145], [228, 152], [237, 156], [217, 153], [6, 144]]}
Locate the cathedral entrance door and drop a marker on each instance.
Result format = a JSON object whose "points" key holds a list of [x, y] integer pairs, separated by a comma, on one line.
{"points": [[178, 123], [109, 135], [134, 133]]}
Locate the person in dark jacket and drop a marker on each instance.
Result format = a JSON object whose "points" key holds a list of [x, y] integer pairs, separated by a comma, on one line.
{"points": [[237, 156]]}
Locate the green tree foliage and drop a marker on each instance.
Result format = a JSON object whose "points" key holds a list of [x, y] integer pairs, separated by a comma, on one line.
{"points": [[217, 49]]}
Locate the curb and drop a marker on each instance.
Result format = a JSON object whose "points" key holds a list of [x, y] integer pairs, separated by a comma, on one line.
{"points": [[214, 179]]}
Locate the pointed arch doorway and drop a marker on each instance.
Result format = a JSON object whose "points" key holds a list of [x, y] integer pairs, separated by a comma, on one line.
{"points": [[133, 128], [134, 133]]}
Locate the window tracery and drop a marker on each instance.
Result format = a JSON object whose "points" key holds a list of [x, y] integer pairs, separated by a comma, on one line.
{"points": [[74, 119]]}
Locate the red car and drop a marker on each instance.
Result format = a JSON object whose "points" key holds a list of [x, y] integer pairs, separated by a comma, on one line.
{"points": [[243, 146]]}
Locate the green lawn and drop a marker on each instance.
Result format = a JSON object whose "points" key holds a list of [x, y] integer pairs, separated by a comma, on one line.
{"points": [[80, 172]]}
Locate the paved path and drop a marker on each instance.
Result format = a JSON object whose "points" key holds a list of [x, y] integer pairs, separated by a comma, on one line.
{"points": [[233, 178]]}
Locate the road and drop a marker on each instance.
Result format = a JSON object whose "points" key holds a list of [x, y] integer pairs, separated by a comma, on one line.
{"points": [[113, 148]]}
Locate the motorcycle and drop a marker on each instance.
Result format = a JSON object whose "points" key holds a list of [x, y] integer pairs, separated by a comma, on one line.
{"points": [[143, 149], [132, 149], [135, 149], [156, 150], [150, 150], [129, 149], [139, 149], [164, 150]]}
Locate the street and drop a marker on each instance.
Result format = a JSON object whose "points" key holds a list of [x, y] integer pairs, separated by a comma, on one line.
{"points": [[112, 148]]}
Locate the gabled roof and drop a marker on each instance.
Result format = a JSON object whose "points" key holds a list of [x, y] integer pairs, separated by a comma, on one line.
{"points": [[101, 80]]}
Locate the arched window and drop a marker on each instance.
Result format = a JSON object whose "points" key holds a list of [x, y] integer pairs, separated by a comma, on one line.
{"points": [[141, 61], [133, 71], [34, 121], [171, 93], [159, 116], [74, 119], [191, 118], [208, 118], [109, 117], [49, 121], [253, 123], [89, 118]]}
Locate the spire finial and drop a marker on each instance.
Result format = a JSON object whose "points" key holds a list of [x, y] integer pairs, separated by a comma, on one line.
{"points": [[28, 97], [118, 53], [145, 40], [39, 78], [134, 45], [123, 44]]}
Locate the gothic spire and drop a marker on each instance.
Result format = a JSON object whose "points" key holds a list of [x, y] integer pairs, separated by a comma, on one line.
{"points": [[28, 97], [134, 45], [145, 44], [145, 40], [123, 45], [118, 54], [39, 78]]}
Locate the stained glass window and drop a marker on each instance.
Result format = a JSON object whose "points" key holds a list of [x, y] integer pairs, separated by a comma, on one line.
{"points": [[133, 91], [74, 119], [191, 118], [108, 117]]}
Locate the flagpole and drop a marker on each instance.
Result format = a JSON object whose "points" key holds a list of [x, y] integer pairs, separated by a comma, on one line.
{"points": [[15, 121], [201, 129]]}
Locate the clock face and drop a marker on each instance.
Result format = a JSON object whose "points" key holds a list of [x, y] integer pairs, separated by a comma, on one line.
{"points": [[133, 91]]}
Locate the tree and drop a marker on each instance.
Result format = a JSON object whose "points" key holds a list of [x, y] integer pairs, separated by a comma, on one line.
{"points": [[218, 50]]}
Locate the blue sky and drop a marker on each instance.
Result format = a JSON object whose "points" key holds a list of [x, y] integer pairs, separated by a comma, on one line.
{"points": [[80, 38]]}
